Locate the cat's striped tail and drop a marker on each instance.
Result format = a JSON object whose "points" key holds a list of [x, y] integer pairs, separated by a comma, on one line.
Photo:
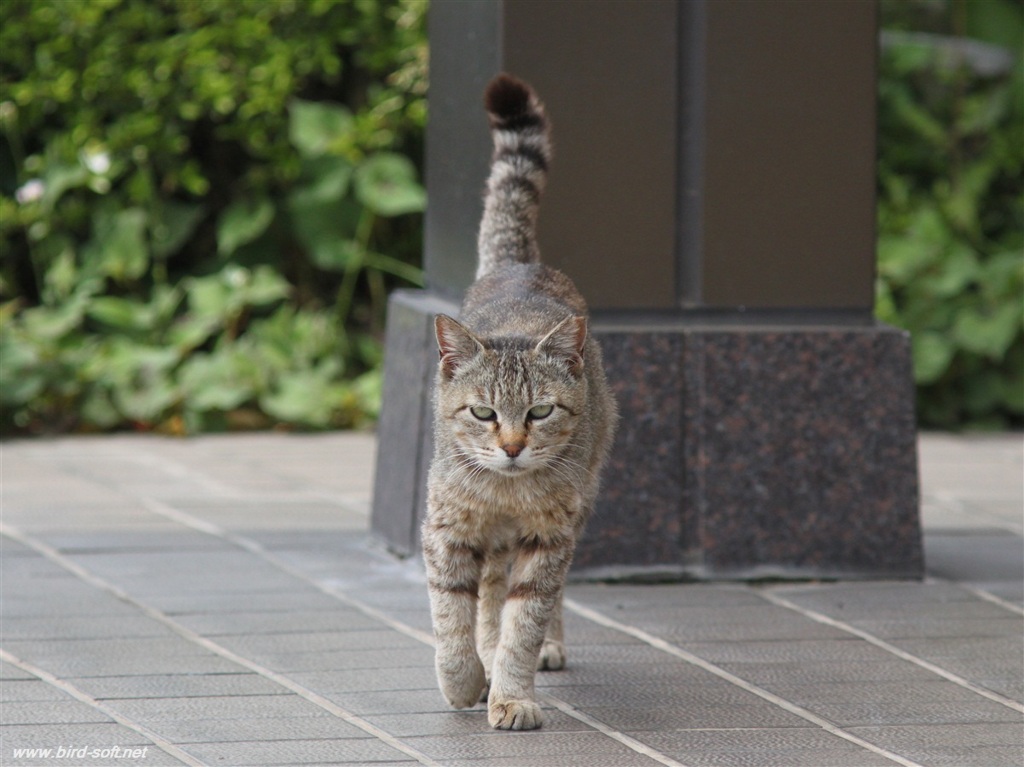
{"points": [[522, 150]]}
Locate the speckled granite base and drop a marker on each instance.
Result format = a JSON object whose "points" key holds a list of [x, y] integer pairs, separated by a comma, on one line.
{"points": [[743, 452]]}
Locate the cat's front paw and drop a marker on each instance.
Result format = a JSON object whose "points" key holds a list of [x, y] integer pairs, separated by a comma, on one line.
{"points": [[462, 681], [514, 715], [552, 656]]}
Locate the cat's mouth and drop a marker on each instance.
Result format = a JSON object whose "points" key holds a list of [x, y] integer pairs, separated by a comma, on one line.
{"points": [[510, 467]]}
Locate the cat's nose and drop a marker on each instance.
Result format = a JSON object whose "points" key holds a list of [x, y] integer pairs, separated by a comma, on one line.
{"points": [[513, 449]]}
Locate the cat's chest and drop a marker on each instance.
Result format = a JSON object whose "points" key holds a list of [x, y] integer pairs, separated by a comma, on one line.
{"points": [[498, 509]]}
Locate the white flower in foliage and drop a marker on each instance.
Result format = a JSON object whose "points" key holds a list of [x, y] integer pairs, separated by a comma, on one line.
{"points": [[31, 191], [97, 162]]}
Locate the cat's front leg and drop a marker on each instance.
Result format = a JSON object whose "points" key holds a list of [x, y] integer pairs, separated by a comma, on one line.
{"points": [[453, 576], [536, 583], [552, 652], [493, 589]]}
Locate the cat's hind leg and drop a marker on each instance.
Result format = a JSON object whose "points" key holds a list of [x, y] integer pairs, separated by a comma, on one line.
{"points": [[453, 577]]}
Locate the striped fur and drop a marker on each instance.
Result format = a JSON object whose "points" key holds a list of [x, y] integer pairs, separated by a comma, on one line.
{"points": [[522, 151], [523, 423]]}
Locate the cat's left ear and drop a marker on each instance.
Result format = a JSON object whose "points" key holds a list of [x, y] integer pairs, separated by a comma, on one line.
{"points": [[566, 341], [456, 345]]}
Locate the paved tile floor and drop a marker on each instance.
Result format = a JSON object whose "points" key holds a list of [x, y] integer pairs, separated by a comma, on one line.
{"points": [[217, 601]]}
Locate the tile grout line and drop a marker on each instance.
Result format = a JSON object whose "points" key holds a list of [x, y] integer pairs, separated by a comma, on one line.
{"points": [[69, 689], [158, 507], [988, 597], [695, 660], [328, 705], [949, 676], [959, 507]]}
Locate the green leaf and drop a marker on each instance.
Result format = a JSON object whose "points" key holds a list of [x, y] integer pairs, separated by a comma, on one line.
{"points": [[223, 380], [242, 222], [988, 332], [173, 225], [121, 313], [324, 180], [138, 376], [62, 273], [62, 178], [20, 381], [956, 271], [319, 225], [52, 323], [98, 410], [932, 353], [191, 332], [309, 397], [265, 286], [118, 248], [386, 184], [212, 298], [314, 126], [335, 255], [219, 297]]}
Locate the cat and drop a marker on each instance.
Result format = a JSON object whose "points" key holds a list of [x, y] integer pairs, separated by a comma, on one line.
{"points": [[523, 424]]}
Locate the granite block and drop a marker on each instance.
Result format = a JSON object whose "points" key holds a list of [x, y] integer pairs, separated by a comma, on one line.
{"points": [[405, 430], [743, 451]]}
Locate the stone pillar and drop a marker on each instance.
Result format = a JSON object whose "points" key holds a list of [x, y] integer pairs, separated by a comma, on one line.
{"points": [[712, 195]]}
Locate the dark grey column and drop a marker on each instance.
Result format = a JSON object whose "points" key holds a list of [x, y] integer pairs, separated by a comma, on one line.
{"points": [[712, 195]]}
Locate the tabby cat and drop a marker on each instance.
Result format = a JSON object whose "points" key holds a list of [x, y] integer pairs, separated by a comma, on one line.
{"points": [[523, 424]]}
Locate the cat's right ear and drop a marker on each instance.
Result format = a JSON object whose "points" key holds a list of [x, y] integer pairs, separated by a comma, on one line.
{"points": [[456, 345]]}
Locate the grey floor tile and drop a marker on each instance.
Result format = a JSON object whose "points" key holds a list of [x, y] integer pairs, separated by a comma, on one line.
{"points": [[347, 751], [589, 759], [218, 603], [294, 662], [789, 747], [63, 711], [368, 679], [966, 745], [525, 746], [83, 627], [45, 735], [220, 708], [813, 650], [635, 719], [333, 616], [13, 690], [462, 723], [214, 730], [178, 685], [771, 675], [371, 638]]}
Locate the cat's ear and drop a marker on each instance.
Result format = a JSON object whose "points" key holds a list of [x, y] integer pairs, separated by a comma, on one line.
{"points": [[566, 342], [456, 345]]}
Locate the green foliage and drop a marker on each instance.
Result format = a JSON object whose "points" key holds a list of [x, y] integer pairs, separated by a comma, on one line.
{"points": [[202, 207], [951, 213]]}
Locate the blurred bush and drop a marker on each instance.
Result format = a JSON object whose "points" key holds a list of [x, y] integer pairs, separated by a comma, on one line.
{"points": [[202, 208], [951, 212], [204, 204]]}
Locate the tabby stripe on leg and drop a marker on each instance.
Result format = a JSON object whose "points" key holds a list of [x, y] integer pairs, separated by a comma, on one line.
{"points": [[465, 589], [530, 590]]}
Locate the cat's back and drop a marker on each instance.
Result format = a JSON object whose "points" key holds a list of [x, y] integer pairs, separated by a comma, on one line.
{"points": [[523, 300]]}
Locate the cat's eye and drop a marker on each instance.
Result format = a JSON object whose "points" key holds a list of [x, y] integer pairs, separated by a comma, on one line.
{"points": [[483, 413], [540, 411]]}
